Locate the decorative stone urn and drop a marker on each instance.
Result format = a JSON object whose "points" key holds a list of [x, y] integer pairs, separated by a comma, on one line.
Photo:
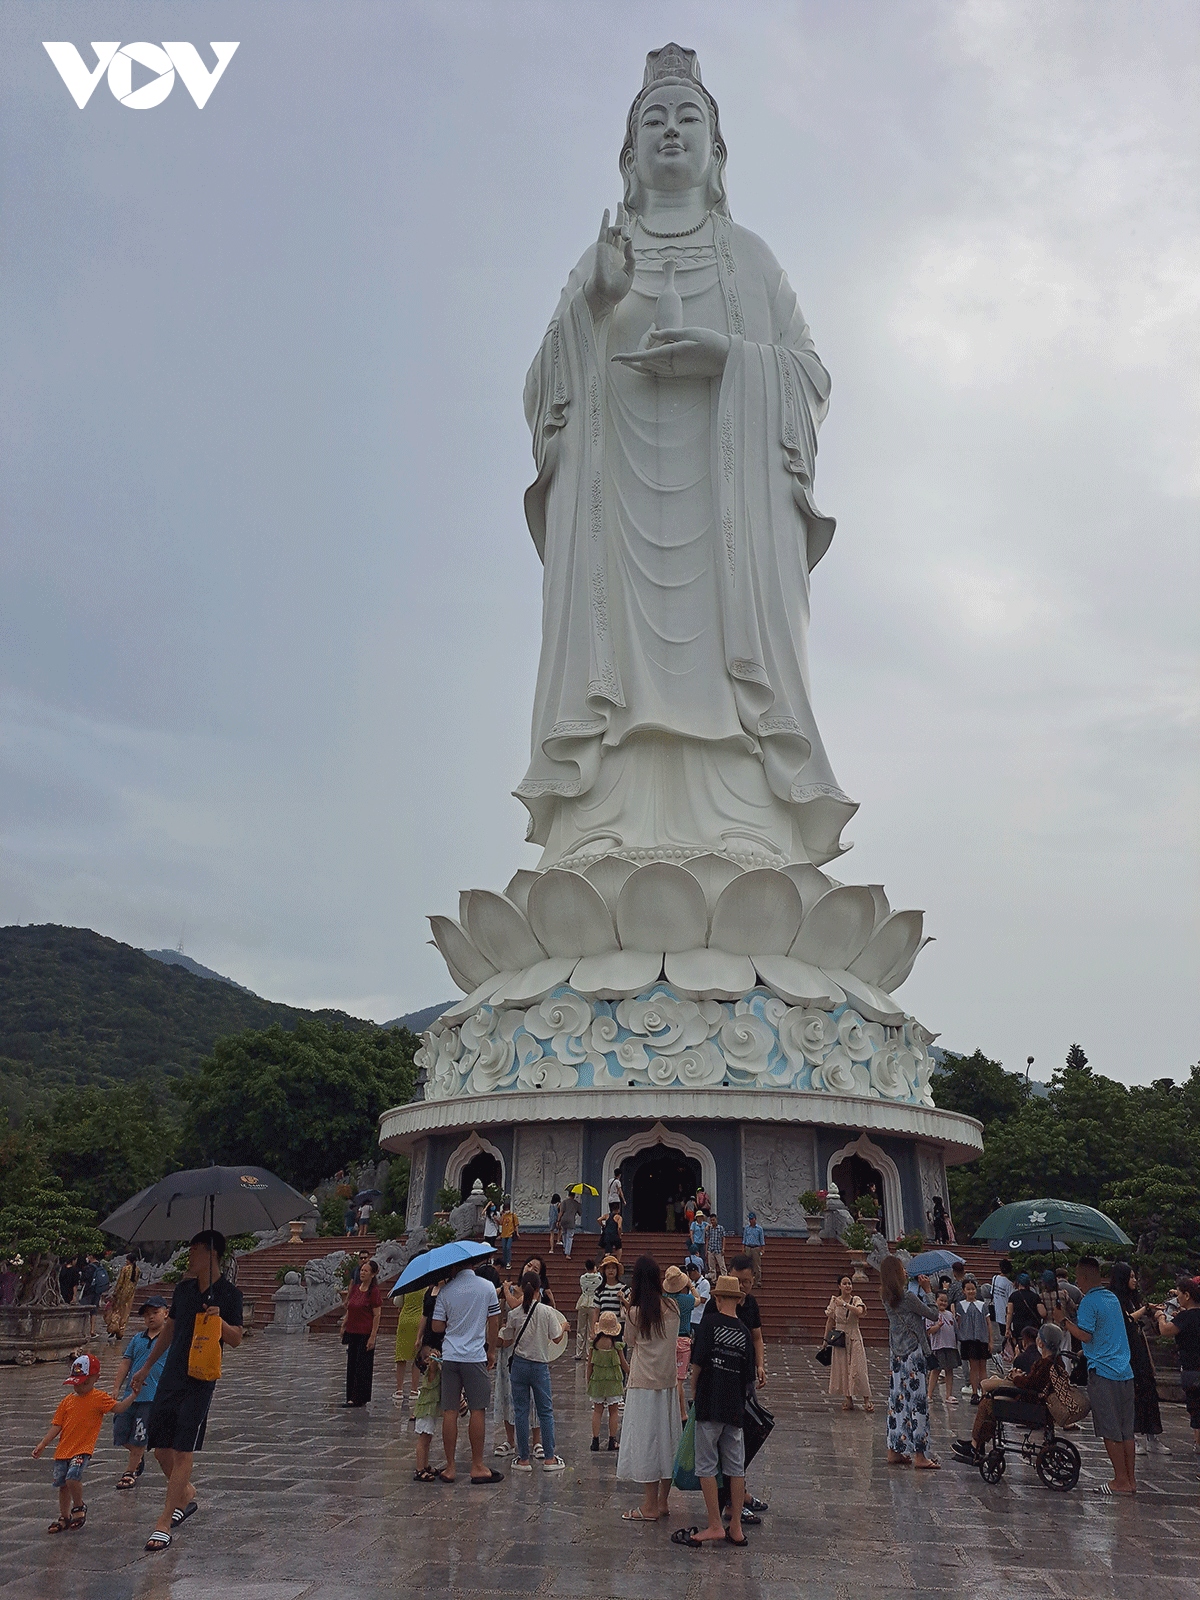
{"points": [[41, 1333], [288, 1301], [296, 1230]]}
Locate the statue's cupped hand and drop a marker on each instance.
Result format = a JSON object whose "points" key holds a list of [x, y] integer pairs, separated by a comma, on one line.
{"points": [[612, 272], [679, 353]]}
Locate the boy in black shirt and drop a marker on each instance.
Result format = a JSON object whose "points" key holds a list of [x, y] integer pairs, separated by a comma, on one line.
{"points": [[722, 1370]]}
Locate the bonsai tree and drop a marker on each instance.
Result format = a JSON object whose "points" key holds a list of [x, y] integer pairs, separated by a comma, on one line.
{"points": [[855, 1237], [866, 1207], [42, 1228]]}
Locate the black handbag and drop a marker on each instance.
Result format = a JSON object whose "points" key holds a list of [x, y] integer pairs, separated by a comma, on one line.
{"points": [[824, 1356], [837, 1339], [757, 1423]]}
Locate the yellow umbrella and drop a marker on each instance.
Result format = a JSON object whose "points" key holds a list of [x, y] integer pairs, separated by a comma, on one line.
{"points": [[582, 1188]]}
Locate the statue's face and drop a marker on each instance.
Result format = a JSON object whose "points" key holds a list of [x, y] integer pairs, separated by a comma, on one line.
{"points": [[674, 147]]}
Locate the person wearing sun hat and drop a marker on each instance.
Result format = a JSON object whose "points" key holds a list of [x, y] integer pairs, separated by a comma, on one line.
{"points": [[677, 1286], [722, 1370], [76, 1426], [607, 1370]]}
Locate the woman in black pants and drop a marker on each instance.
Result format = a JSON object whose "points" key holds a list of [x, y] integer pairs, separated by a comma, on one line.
{"points": [[360, 1325]]}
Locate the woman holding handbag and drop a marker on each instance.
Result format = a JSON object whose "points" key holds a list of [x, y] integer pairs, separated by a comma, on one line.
{"points": [[360, 1325], [536, 1335], [843, 1334]]}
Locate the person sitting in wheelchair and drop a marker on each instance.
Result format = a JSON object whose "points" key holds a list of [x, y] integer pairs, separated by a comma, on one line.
{"points": [[1047, 1376]]}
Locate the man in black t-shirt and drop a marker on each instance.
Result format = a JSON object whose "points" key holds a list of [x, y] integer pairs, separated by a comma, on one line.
{"points": [[722, 1370], [750, 1316], [1025, 1310], [179, 1414]]}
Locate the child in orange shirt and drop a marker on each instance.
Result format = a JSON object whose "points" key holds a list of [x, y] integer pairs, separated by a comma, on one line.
{"points": [[76, 1422]]}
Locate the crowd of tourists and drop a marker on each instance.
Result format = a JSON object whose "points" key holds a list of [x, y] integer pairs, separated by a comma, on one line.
{"points": [[672, 1365]]}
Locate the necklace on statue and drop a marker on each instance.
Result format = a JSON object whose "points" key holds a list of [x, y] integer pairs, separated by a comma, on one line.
{"points": [[675, 233]]}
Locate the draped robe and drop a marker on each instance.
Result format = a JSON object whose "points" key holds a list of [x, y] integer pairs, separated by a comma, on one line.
{"points": [[676, 524]]}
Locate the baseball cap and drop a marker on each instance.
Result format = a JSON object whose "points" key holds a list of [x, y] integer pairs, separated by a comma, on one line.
{"points": [[83, 1368], [154, 1301]]}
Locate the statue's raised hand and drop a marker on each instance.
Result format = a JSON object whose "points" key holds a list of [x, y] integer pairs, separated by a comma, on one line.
{"points": [[679, 353], [613, 269]]}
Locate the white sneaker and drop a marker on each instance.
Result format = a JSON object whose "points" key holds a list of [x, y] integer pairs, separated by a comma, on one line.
{"points": [[503, 1449], [538, 1453], [522, 1466], [556, 1465]]}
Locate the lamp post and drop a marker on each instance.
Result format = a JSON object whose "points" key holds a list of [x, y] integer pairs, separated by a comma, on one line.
{"points": [[1028, 1064]]}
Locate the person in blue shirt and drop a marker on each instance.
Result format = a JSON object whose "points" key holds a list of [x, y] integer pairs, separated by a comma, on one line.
{"points": [[1100, 1328], [753, 1240], [129, 1429]]}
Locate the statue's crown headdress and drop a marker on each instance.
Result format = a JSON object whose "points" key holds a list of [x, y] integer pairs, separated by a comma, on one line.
{"points": [[672, 64]]}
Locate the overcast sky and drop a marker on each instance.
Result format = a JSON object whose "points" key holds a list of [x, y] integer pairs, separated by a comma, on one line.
{"points": [[269, 612]]}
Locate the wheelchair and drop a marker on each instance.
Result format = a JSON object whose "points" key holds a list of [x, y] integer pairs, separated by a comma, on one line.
{"points": [[1056, 1460]]}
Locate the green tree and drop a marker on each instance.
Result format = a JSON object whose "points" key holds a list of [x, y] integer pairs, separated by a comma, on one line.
{"points": [[1160, 1211], [979, 1087], [42, 1227], [107, 1143], [301, 1104]]}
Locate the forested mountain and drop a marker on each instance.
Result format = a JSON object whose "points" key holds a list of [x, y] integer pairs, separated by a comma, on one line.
{"points": [[77, 1008]]}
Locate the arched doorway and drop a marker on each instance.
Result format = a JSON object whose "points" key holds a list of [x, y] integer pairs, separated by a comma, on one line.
{"points": [[485, 1167], [855, 1176], [623, 1159], [861, 1167], [652, 1180]]}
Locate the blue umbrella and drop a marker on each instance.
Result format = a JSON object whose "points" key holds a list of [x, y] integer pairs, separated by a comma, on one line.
{"points": [[933, 1261], [425, 1269]]}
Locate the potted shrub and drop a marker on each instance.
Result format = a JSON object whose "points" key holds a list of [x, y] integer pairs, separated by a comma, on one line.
{"points": [[37, 1232], [866, 1208], [812, 1202], [447, 1198], [855, 1239]]}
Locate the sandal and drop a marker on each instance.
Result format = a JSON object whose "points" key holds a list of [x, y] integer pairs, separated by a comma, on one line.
{"points": [[492, 1477], [687, 1536], [158, 1541], [127, 1480], [868, 1405], [59, 1525], [847, 1405], [77, 1517], [636, 1515], [184, 1512], [738, 1544], [425, 1475]]}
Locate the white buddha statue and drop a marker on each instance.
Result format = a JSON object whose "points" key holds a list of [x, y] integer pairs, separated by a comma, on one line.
{"points": [[673, 511]]}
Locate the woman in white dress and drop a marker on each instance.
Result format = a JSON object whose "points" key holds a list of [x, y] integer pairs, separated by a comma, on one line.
{"points": [[651, 1427]]}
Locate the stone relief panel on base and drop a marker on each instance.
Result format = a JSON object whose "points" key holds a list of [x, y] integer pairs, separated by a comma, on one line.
{"points": [[777, 1166], [547, 1159]]}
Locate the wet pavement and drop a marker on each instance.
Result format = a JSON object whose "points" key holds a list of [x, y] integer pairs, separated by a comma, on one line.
{"points": [[301, 1500]]}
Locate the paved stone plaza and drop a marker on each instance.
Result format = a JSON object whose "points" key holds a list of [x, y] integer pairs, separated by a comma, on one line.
{"points": [[302, 1499]]}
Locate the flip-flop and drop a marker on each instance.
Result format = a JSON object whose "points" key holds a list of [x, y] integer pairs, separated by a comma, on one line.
{"points": [[440, 1475], [687, 1536], [158, 1541], [636, 1515], [738, 1544], [182, 1513], [492, 1477]]}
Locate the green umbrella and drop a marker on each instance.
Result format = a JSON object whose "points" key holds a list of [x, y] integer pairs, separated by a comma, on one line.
{"points": [[1061, 1219]]}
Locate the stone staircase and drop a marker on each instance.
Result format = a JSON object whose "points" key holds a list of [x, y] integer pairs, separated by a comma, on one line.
{"points": [[798, 1279]]}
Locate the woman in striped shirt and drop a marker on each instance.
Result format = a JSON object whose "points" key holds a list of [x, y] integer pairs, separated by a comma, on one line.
{"points": [[611, 1295]]}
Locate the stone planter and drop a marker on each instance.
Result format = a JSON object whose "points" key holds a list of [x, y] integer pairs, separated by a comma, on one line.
{"points": [[859, 1260], [813, 1221], [296, 1230], [41, 1333]]}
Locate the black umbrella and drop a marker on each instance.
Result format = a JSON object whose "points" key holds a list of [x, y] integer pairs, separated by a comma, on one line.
{"points": [[230, 1199], [367, 1194]]}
